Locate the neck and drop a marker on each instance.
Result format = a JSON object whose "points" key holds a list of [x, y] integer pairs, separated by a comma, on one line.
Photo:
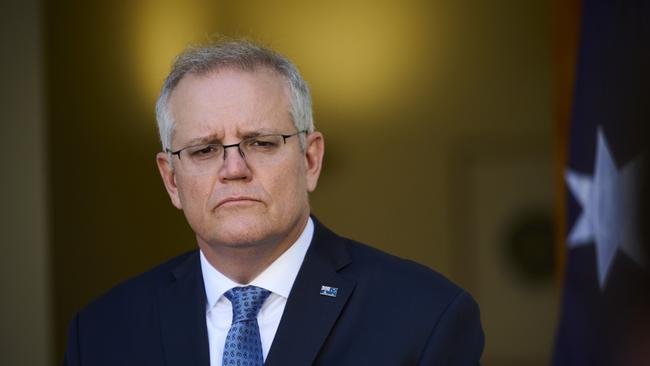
{"points": [[243, 262]]}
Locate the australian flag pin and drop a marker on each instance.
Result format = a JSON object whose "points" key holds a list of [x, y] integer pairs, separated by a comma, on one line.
{"points": [[328, 291]]}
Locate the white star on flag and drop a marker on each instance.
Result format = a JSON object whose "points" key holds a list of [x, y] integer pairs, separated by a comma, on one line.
{"points": [[609, 201]]}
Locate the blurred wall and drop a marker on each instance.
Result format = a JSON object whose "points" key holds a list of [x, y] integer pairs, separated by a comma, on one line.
{"points": [[25, 302], [401, 90]]}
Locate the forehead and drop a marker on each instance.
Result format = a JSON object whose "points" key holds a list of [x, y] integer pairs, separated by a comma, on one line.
{"points": [[230, 102]]}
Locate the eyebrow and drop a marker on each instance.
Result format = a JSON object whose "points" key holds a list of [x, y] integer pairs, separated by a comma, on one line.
{"points": [[202, 140], [213, 138]]}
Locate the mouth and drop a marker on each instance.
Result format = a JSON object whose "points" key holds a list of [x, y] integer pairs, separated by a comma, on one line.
{"points": [[237, 201]]}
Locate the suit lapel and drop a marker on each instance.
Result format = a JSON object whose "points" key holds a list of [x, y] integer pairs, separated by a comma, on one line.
{"points": [[182, 312], [309, 316]]}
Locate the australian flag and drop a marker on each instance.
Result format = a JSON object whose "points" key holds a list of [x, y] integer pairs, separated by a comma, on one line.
{"points": [[605, 315]]}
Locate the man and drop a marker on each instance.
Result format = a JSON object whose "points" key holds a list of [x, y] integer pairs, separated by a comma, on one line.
{"points": [[269, 284]]}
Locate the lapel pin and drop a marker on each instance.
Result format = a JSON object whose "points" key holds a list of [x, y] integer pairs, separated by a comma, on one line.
{"points": [[328, 291]]}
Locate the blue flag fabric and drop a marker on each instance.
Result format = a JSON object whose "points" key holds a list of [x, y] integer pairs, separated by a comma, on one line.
{"points": [[605, 315]]}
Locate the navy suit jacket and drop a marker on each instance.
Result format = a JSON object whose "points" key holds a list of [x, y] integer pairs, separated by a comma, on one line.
{"points": [[387, 311]]}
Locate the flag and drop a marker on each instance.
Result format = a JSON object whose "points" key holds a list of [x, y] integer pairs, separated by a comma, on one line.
{"points": [[605, 314]]}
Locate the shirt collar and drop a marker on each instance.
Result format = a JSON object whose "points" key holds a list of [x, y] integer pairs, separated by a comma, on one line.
{"points": [[277, 278]]}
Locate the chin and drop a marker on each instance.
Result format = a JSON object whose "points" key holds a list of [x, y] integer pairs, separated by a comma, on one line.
{"points": [[241, 230]]}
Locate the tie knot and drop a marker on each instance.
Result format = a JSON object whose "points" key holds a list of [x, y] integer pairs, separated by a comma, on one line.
{"points": [[246, 302]]}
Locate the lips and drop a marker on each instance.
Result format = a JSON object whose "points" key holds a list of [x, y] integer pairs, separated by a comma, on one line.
{"points": [[235, 200]]}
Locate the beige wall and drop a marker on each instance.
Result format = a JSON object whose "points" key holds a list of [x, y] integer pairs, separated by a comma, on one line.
{"points": [[24, 268], [401, 90]]}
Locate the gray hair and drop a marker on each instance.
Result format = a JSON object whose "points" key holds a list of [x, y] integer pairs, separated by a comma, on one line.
{"points": [[241, 55]]}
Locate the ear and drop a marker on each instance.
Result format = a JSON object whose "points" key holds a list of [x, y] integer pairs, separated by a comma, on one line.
{"points": [[169, 178], [314, 151]]}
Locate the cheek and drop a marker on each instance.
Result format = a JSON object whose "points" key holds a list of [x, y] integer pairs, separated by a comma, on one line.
{"points": [[288, 188], [194, 194]]}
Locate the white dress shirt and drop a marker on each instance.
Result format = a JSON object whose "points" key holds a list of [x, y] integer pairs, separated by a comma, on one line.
{"points": [[277, 278]]}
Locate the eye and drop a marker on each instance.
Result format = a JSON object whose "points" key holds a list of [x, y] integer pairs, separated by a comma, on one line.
{"points": [[204, 151], [263, 143]]}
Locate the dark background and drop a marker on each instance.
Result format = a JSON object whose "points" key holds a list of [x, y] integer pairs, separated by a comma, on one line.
{"points": [[439, 122]]}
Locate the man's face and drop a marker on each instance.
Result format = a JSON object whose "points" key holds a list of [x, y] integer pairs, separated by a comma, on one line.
{"points": [[240, 204]]}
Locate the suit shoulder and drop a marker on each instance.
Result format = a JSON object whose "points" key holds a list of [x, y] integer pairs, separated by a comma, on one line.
{"points": [[139, 288], [409, 293], [384, 269]]}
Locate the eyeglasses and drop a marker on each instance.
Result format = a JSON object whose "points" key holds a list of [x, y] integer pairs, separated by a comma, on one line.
{"points": [[207, 158]]}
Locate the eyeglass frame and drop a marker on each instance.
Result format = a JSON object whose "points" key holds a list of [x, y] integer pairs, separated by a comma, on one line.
{"points": [[238, 145]]}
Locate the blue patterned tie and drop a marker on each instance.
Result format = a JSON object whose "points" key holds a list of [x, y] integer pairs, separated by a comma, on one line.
{"points": [[243, 345]]}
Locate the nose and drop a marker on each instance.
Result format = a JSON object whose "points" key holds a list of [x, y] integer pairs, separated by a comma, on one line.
{"points": [[234, 166]]}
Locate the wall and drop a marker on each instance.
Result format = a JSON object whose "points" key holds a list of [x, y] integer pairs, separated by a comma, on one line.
{"points": [[25, 308], [401, 91]]}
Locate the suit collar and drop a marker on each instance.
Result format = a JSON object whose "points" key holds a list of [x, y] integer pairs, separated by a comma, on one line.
{"points": [[182, 316], [329, 247], [309, 316]]}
